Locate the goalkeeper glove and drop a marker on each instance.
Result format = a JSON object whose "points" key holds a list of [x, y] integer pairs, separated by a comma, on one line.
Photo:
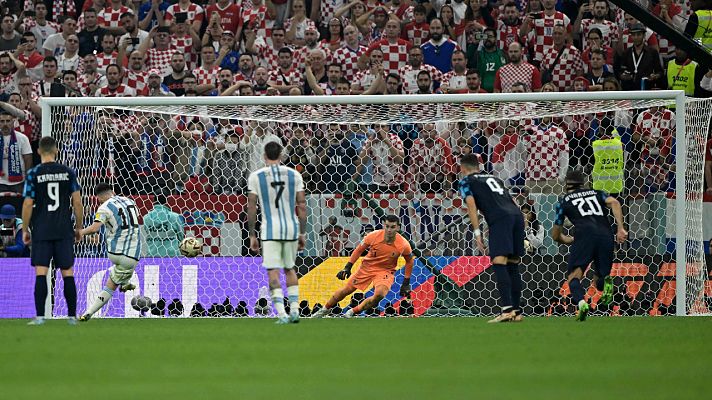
{"points": [[344, 273], [405, 288]]}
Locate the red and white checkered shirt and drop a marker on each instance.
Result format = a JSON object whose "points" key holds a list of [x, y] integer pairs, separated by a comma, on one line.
{"points": [[431, 163], [651, 38], [328, 90], [267, 56], [30, 127], [545, 148], [544, 32], [456, 83], [103, 60], [510, 74], [416, 33], [507, 35], [385, 170], [136, 80], [42, 32], [109, 18], [301, 27], [365, 79], [328, 9], [348, 59], [160, 60], [195, 12], [206, 76], [608, 28], [185, 45], [230, 16], [409, 76], [84, 81], [120, 91], [8, 83], [62, 8], [291, 77], [257, 18], [659, 126], [566, 69], [300, 55], [395, 55]]}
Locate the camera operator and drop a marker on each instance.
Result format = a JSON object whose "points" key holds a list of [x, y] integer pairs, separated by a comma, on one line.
{"points": [[11, 244]]}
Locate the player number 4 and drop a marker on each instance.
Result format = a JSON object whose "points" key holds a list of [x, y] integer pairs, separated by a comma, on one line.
{"points": [[494, 186], [588, 206]]}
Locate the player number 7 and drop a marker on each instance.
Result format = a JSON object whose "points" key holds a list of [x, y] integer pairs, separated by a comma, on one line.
{"points": [[280, 189]]}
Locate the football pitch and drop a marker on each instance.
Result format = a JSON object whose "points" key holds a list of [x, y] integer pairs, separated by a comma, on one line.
{"points": [[361, 358]]}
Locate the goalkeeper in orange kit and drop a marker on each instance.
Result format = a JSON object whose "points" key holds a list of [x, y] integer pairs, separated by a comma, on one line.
{"points": [[384, 247]]}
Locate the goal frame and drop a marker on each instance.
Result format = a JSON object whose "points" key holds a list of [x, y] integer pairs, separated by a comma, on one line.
{"points": [[676, 96]]}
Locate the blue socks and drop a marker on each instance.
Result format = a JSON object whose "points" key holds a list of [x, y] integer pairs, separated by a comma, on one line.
{"points": [[504, 286], [516, 283], [41, 294], [577, 292], [70, 294]]}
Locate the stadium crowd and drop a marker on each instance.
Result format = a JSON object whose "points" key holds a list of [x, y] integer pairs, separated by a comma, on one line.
{"points": [[324, 47]]}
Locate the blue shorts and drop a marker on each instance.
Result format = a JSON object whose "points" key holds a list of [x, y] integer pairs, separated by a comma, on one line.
{"points": [[593, 248], [506, 236], [62, 251]]}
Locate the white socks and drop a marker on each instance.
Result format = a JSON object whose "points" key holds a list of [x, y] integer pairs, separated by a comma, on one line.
{"points": [[103, 298], [278, 301]]}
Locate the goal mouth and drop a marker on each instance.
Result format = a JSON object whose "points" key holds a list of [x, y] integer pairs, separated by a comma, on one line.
{"points": [[195, 153]]}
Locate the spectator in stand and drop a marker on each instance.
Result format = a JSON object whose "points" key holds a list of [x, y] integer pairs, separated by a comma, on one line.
{"points": [[333, 76], [509, 154], [311, 42], [393, 84], [594, 41], [598, 71], [90, 79], [193, 13], [409, 73], [639, 68], [26, 121], [373, 30], [257, 135], [685, 74], [336, 161], [135, 76], [599, 10], [355, 10], [394, 49], [517, 70], [348, 54], [438, 50], [228, 14], [11, 70], [474, 83], [187, 41], [69, 60], [297, 25], [154, 86], [90, 36], [114, 87], [38, 25], [9, 39], [451, 29], [698, 25], [334, 35], [336, 238], [267, 55], [108, 53], [298, 155], [672, 14], [260, 84], [562, 62], [134, 35], [230, 160], [286, 76], [28, 55], [16, 152], [653, 135], [540, 24], [207, 73], [369, 80], [151, 13], [417, 31], [246, 66], [174, 80], [51, 83], [315, 73], [431, 162], [547, 158], [489, 59], [55, 44], [228, 56], [71, 84], [455, 81], [385, 150], [650, 38], [110, 17], [507, 32], [158, 49]]}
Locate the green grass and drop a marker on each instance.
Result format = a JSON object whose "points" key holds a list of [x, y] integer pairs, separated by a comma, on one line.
{"points": [[416, 358]]}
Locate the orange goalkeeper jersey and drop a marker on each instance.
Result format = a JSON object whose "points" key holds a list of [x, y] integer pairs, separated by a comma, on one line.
{"points": [[382, 255]]}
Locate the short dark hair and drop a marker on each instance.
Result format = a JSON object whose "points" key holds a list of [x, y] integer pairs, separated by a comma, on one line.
{"points": [[47, 144], [470, 160], [49, 59], [273, 150], [102, 188], [575, 179], [126, 14], [284, 50], [69, 72], [391, 218]]}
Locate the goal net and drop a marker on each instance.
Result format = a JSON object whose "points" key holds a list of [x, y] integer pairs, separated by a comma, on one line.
{"points": [[366, 156]]}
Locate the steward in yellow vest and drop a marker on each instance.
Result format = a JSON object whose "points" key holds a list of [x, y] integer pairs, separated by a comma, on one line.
{"points": [[608, 162], [699, 25], [681, 73]]}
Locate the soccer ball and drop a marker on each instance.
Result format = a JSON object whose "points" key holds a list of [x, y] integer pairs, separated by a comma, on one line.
{"points": [[190, 247], [141, 303]]}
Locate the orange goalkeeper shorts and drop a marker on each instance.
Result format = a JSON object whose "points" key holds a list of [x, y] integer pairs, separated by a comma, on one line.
{"points": [[363, 278]]}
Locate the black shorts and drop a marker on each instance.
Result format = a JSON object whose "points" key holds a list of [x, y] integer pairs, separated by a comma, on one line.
{"points": [[61, 250], [593, 248], [506, 236]]}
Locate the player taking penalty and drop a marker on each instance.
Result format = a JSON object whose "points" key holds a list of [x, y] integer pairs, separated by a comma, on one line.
{"points": [[384, 247], [592, 240]]}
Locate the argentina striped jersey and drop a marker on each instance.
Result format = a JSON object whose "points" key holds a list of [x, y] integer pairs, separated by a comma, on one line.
{"points": [[276, 187], [123, 233]]}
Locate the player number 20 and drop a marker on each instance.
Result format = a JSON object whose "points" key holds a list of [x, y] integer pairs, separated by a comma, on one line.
{"points": [[588, 206]]}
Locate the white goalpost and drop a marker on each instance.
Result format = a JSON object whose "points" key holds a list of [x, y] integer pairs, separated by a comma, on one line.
{"points": [[366, 156]]}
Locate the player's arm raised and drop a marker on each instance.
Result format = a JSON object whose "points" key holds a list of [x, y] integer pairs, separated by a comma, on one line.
{"points": [[615, 206], [475, 221]]}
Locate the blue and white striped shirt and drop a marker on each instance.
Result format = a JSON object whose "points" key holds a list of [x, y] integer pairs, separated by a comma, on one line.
{"points": [[276, 187], [123, 233]]}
